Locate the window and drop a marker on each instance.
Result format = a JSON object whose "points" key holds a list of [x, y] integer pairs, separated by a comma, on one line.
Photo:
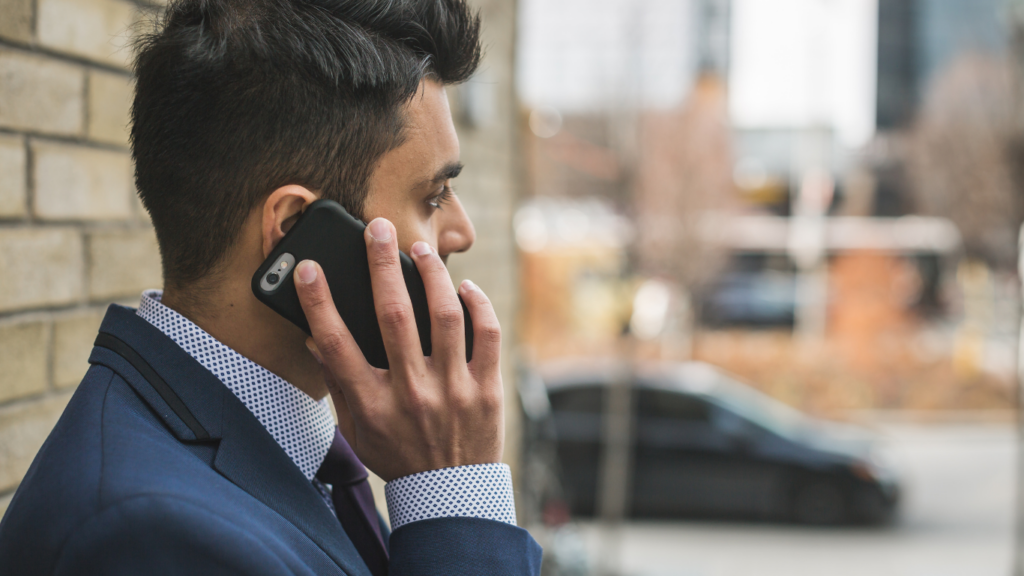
{"points": [[662, 404], [588, 399]]}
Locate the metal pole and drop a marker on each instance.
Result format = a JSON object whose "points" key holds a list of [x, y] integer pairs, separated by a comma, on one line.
{"points": [[616, 463], [1018, 557], [807, 248]]}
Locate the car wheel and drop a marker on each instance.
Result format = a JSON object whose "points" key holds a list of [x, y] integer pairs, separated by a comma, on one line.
{"points": [[819, 502], [872, 508]]}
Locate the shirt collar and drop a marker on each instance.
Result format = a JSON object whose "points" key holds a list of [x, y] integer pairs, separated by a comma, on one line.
{"points": [[303, 427]]}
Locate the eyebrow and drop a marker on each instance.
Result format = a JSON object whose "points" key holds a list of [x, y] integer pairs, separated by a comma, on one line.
{"points": [[447, 172]]}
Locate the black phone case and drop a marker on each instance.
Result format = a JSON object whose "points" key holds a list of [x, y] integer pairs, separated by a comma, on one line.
{"points": [[327, 234]]}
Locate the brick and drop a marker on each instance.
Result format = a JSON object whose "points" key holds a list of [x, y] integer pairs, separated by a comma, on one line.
{"points": [[17, 21], [72, 343], [43, 267], [123, 263], [12, 177], [23, 429], [81, 183], [110, 97], [95, 29], [40, 94], [23, 355]]}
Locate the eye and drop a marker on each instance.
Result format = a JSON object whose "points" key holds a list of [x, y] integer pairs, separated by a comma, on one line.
{"points": [[439, 200]]}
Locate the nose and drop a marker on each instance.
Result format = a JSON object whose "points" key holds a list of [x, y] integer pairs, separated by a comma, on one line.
{"points": [[456, 232]]}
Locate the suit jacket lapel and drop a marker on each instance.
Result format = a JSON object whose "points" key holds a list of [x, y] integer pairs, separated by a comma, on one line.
{"points": [[247, 454], [249, 457]]}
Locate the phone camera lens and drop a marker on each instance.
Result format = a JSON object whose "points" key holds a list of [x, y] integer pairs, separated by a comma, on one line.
{"points": [[273, 278]]}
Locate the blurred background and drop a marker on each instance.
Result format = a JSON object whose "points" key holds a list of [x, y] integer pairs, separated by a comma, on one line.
{"points": [[756, 264], [801, 215]]}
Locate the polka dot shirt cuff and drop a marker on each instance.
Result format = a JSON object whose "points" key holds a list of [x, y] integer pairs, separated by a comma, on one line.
{"points": [[475, 491]]}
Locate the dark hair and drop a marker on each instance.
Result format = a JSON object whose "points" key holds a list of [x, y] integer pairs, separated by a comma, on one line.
{"points": [[236, 98]]}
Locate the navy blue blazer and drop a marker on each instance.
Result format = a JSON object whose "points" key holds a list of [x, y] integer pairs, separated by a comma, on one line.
{"points": [[167, 472]]}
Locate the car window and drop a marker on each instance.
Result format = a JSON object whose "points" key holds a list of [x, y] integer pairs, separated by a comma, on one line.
{"points": [[760, 409], [584, 399], [672, 406]]}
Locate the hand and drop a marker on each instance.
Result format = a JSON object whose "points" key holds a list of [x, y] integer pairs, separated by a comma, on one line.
{"points": [[424, 413]]}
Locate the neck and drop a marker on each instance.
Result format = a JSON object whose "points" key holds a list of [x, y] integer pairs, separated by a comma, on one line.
{"points": [[228, 311]]}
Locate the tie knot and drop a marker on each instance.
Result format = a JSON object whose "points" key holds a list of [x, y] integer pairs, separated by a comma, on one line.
{"points": [[341, 466]]}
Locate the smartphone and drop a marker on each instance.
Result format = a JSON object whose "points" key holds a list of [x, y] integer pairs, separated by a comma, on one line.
{"points": [[327, 234]]}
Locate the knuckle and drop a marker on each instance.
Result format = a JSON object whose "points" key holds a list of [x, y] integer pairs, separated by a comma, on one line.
{"points": [[384, 258], [311, 295], [417, 404], [488, 333], [318, 302], [491, 403], [395, 314], [448, 317], [461, 402], [332, 344]]}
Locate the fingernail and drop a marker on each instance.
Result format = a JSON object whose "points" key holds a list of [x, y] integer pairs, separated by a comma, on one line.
{"points": [[468, 286], [311, 346], [306, 271], [421, 249], [380, 230]]}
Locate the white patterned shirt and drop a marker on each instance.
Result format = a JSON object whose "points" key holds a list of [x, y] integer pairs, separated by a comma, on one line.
{"points": [[304, 428]]}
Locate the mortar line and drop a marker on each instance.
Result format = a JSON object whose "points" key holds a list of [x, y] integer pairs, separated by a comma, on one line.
{"points": [[79, 141], [86, 84], [36, 397], [30, 192], [86, 264], [39, 50], [51, 353]]}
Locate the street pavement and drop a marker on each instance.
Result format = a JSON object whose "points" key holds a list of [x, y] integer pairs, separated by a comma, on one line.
{"points": [[956, 520]]}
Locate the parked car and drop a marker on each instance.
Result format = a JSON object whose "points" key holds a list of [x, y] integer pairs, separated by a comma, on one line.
{"points": [[762, 298], [706, 445]]}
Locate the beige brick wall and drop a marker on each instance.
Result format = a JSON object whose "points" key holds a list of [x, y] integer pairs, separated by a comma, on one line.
{"points": [[40, 94], [13, 165], [488, 188], [72, 236]]}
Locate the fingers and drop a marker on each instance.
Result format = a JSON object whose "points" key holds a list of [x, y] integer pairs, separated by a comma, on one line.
{"points": [[391, 297], [447, 329], [486, 330], [336, 349]]}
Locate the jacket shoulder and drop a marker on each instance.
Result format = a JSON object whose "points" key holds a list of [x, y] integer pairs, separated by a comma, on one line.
{"points": [[82, 466], [164, 534]]}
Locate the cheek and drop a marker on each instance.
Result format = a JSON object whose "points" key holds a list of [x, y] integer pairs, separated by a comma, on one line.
{"points": [[402, 213], [414, 226]]}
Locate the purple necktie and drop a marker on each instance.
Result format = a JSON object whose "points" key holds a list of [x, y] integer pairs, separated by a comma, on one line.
{"points": [[353, 503]]}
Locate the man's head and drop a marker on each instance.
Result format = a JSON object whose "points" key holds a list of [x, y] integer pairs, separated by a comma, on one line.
{"points": [[241, 101]]}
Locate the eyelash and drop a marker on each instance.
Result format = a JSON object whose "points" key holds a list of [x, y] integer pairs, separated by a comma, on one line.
{"points": [[442, 198]]}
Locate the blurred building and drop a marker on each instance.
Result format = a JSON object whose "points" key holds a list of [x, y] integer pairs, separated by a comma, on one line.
{"points": [[918, 41], [74, 237], [772, 170], [593, 56], [588, 71]]}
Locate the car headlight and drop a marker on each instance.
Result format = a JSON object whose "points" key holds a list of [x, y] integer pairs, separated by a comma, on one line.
{"points": [[877, 466]]}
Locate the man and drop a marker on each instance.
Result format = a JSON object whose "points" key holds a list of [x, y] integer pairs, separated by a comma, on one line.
{"points": [[200, 440]]}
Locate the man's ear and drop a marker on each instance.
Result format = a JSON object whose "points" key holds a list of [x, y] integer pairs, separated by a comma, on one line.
{"points": [[280, 210]]}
